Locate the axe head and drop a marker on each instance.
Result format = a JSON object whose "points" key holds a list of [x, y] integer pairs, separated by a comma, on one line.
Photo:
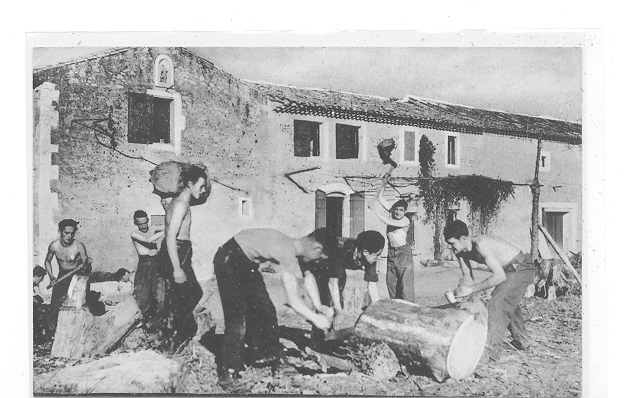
{"points": [[385, 148]]}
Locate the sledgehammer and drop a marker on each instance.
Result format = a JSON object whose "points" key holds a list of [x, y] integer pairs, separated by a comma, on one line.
{"points": [[385, 148]]}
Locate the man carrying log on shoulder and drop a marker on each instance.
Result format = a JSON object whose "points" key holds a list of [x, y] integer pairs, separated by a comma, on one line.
{"points": [[148, 285], [329, 277], [400, 274], [184, 292], [71, 257], [512, 271], [247, 307]]}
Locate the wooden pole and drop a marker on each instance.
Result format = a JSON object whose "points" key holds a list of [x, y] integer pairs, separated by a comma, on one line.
{"points": [[535, 189], [560, 253]]}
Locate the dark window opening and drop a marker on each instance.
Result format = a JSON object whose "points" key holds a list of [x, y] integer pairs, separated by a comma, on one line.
{"points": [[149, 119], [334, 215], [451, 150], [307, 139], [347, 141], [553, 222]]}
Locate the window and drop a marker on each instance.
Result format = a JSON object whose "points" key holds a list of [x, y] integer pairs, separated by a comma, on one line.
{"points": [[544, 161], [245, 207], [307, 139], [452, 150], [347, 141], [149, 119], [409, 146]]}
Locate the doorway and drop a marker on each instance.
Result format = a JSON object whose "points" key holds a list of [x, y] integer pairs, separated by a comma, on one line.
{"points": [[334, 215]]}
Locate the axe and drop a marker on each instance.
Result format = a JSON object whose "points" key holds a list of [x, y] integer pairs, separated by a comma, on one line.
{"points": [[385, 148], [67, 275]]}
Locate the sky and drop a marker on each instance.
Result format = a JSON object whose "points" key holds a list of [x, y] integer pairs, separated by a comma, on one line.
{"points": [[538, 81]]}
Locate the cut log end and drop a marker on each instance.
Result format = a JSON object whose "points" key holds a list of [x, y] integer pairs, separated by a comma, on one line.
{"points": [[466, 349]]}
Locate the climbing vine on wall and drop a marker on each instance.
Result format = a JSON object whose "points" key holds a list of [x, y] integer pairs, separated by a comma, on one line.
{"points": [[483, 194], [425, 156]]}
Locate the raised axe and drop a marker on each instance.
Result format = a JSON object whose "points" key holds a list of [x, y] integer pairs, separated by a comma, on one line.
{"points": [[385, 148]]}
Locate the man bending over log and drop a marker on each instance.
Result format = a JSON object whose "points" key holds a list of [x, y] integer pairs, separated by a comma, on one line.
{"points": [[184, 291], [148, 285], [247, 307], [400, 274], [70, 255], [512, 271], [329, 277]]}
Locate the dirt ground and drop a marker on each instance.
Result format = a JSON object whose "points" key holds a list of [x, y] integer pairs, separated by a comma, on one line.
{"points": [[551, 367]]}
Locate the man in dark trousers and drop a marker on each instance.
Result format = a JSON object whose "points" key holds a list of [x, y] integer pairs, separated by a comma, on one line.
{"points": [[400, 274], [247, 307], [148, 285], [512, 271], [184, 292]]}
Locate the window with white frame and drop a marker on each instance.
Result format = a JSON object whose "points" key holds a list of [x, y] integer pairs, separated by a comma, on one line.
{"points": [[245, 208], [347, 141], [409, 147], [307, 138], [544, 162], [149, 119], [452, 150]]}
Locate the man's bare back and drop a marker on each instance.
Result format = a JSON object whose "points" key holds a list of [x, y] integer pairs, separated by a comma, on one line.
{"points": [[487, 247]]}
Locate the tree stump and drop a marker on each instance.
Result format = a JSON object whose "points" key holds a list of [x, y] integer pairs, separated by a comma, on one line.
{"points": [[79, 333], [449, 341]]}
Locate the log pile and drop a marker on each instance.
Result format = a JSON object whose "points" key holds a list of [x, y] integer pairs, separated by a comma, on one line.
{"points": [[448, 341]]}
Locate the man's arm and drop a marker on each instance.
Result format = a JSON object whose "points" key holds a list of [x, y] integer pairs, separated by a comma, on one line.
{"points": [[467, 276], [373, 292], [48, 263], [379, 195], [139, 237], [309, 281], [82, 250], [498, 273], [178, 212], [295, 302]]}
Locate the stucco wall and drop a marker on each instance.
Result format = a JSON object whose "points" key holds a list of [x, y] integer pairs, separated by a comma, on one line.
{"points": [[224, 121]]}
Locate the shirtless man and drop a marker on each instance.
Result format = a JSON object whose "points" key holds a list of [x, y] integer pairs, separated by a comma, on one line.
{"points": [[512, 271], [70, 254], [247, 307], [149, 287], [400, 274], [184, 292]]}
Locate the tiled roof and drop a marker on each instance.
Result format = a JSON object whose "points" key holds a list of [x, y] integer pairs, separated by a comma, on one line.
{"points": [[414, 111]]}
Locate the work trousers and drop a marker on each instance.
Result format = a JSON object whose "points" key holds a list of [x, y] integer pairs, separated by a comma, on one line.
{"points": [[59, 293], [181, 298], [400, 274], [247, 308], [149, 286], [504, 307]]}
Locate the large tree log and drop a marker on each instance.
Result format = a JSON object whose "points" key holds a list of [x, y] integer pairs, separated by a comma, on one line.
{"points": [[79, 333], [449, 341]]}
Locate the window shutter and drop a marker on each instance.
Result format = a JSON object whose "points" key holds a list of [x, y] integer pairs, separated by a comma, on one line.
{"points": [[140, 111], [357, 214], [161, 128], [409, 152], [321, 210], [302, 138]]}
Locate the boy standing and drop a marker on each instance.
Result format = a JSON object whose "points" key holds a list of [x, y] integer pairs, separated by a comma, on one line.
{"points": [[149, 287], [400, 274], [512, 271]]}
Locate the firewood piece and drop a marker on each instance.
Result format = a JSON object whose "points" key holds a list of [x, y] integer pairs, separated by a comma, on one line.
{"points": [[329, 361], [560, 253], [449, 341]]}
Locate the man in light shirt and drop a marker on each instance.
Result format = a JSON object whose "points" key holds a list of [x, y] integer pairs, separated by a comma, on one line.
{"points": [[400, 274]]}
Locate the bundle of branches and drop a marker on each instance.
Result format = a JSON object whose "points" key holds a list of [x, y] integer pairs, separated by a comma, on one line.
{"points": [[483, 194], [554, 279]]}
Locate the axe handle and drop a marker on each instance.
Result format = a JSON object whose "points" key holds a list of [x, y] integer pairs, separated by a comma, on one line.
{"points": [[67, 275]]}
